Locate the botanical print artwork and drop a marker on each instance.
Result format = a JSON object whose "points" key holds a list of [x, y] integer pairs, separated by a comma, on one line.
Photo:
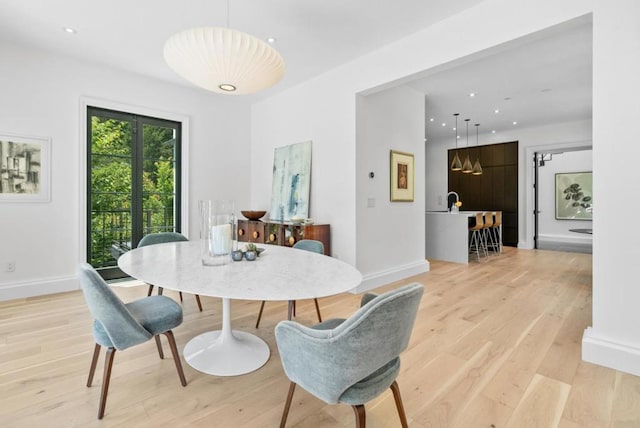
{"points": [[23, 169], [291, 182], [574, 197]]}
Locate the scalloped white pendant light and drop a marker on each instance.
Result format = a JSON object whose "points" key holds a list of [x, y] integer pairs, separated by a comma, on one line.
{"points": [[223, 60]]}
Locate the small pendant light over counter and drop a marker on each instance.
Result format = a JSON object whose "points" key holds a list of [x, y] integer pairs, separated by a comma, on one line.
{"points": [[466, 166], [477, 168], [456, 165]]}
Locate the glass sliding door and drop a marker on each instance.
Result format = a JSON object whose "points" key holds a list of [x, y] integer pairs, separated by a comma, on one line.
{"points": [[133, 183]]}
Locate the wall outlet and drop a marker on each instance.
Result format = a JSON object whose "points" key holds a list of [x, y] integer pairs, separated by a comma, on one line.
{"points": [[10, 266]]}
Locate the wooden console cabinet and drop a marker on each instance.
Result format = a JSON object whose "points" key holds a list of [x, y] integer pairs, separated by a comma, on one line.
{"points": [[286, 234]]}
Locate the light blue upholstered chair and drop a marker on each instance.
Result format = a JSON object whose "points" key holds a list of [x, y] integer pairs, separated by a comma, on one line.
{"points": [[161, 238], [120, 326], [351, 361], [307, 245]]}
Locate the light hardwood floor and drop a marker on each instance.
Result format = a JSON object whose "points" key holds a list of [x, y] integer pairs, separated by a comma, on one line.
{"points": [[495, 344]]}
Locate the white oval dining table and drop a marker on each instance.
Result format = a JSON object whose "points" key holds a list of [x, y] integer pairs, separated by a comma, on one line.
{"points": [[279, 274]]}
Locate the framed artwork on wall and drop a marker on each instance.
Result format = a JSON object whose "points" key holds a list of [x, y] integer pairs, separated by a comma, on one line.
{"points": [[401, 177], [25, 168], [291, 182], [574, 196]]}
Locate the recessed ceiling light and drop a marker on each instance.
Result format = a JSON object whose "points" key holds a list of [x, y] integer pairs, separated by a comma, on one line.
{"points": [[493, 131], [458, 137], [507, 98], [454, 128], [271, 39], [472, 94], [444, 124], [69, 30], [515, 123], [496, 111], [431, 120]]}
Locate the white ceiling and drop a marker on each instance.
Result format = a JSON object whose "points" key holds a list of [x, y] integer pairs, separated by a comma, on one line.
{"points": [[314, 36], [542, 79]]}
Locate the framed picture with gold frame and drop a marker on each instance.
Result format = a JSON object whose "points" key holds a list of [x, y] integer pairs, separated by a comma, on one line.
{"points": [[401, 176]]}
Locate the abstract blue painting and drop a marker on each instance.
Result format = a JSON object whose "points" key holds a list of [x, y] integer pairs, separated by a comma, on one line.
{"points": [[291, 182]]}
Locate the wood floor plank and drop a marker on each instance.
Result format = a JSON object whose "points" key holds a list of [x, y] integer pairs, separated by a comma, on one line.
{"points": [[541, 405]]}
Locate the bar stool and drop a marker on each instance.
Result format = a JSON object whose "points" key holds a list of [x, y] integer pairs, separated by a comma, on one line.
{"points": [[477, 243], [487, 232], [496, 231]]}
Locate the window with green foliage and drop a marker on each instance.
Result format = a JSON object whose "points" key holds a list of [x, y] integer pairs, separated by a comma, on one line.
{"points": [[133, 183]]}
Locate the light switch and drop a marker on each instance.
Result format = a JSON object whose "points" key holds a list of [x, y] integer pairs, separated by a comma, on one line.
{"points": [[371, 203]]}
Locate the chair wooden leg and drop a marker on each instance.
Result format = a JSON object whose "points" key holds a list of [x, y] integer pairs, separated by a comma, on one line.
{"points": [[159, 345], [94, 362], [160, 291], [180, 293], [198, 301], [361, 417], [260, 314], [291, 309], [318, 310], [108, 363], [287, 405], [176, 356], [396, 395], [150, 290]]}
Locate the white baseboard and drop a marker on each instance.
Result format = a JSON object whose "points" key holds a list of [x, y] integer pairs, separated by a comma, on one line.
{"points": [[618, 356], [576, 240], [21, 290], [377, 279]]}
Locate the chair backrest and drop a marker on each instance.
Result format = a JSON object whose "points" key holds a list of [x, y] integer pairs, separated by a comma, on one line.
{"points": [[372, 337], [108, 310], [498, 220], [479, 222], [161, 238], [310, 245], [488, 219]]}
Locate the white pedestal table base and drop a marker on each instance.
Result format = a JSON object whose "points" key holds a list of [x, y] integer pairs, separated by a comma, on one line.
{"points": [[225, 352]]}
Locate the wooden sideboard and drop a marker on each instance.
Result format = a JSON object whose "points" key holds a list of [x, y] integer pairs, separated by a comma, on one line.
{"points": [[283, 233]]}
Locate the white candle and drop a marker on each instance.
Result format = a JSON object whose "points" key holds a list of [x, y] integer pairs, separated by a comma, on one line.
{"points": [[220, 242]]}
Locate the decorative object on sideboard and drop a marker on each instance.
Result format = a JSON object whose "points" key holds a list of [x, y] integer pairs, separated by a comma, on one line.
{"points": [[224, 60], [253, 215]]}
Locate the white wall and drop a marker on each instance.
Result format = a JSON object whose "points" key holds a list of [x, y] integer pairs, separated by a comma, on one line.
{"points": [[557, 135], [41, 96], [614, 340], [323, 110], [551, 231], [388, 120]]}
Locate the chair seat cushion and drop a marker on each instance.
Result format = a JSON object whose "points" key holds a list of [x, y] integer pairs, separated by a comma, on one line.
{"points": [[373, 385], [157, 314]]}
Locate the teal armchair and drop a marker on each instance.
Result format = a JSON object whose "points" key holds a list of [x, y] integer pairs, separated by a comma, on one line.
{"points": [[118, 326], [161, 238], [352, 360]]}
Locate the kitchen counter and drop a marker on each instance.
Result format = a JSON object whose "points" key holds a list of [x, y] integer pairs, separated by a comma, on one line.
{"points": [[447, 235]]}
